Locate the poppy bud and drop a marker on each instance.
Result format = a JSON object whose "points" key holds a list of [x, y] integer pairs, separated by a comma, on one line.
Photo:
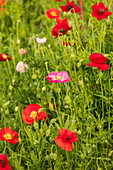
{"points": [[72, 56], [10, 87], [80, 82], [6, 112], [64, 14], [79, 132], [16, 108], [51, 106], [69, 13], [20, 140], [47, 158], [18, 41], [35, 125], [79, 64], [40, 110], [67, 99], [99, 126], [43, 88], [88, 129], [34, 76], [7, 103], [110, 153]]}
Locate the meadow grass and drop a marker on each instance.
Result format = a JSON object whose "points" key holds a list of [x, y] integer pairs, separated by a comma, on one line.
{"points": [[85, 104]]}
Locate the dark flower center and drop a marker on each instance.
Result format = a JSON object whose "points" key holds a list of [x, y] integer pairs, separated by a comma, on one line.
{"points": [[2, 161], [62, 30], [101, 10], [67, 137], [70, 7]]}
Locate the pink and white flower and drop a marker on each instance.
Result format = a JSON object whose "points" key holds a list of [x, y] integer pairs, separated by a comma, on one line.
{"points": [[21, 67], [41, 41], [60, 77], [22, 51]]}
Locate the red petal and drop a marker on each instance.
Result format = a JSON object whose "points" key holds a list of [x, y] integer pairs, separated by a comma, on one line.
{"points": [[64, 145], [103, 67], [98, 58]]}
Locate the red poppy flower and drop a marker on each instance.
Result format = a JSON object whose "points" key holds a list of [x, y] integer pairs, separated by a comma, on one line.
{"points": [[4, 163], [70, 6], [30, 114], [61, 28], [100, 11], [98, 60], [65, 139], [9, 135], [4, 57], [2, 2], [53, 13]]}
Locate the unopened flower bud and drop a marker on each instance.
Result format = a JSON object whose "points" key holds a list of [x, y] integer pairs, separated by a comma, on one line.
{"points": [[88, 129], [64, 14], [99, 126], [40, 110], [79, 132], [7, 112], [72, 56], [35, 125], [10, 87], [67, 99], [16, 108], [20, 140], [34, 76], [79, 64], [80, 82], [18, 41], [110, 153], [43, 88], [69, 13], [7, 103], [51, 106]]}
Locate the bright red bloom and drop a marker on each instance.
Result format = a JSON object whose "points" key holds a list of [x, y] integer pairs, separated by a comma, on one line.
{"points": [[53, 13], [61, 28], [65, 139], [100, 11], [98, 60], [70, 6], [30, 114], [9, 135], [2, 2], [4, 163], [4, 57]]}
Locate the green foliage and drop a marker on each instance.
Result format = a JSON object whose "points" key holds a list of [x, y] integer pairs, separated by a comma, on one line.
{"points": [[85, 104]]}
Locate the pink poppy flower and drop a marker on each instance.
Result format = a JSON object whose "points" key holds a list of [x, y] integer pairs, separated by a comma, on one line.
{"points": [[60, 77], [21, 67], [98, 60], [22, 51], [41, 40]]}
